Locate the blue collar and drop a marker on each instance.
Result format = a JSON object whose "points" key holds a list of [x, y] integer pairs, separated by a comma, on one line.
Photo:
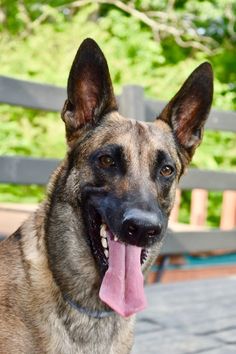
{"points": [[88, 312]]}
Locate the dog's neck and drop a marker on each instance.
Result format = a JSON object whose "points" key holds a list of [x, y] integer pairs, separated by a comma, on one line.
{"points": [[98, 314], [71, 262]]}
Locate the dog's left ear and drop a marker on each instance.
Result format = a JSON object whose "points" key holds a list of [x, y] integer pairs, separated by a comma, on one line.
{"points": [[89, 89], [187, 112]]}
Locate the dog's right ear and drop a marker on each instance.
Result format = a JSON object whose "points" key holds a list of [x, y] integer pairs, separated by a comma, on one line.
{"points": [[187, 112], [89, 89]]}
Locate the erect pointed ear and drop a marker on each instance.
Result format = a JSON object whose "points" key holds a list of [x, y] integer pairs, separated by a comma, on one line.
{"points": [[187, 112], [89, 90]]}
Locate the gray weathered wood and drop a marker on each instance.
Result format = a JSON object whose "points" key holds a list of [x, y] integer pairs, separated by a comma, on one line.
{"points": [[153, 108], [199, 241], [218, 120], [32, 95], [131, 102], [189, 317], [26, 170], [222, 121], [210, 180]]}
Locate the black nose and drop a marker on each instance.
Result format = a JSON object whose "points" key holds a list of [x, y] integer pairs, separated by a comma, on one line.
{"points": [[141, 227]]}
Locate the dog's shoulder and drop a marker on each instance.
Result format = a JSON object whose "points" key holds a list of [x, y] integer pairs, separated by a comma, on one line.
{"points": [[10, 255], [12, 283], [18, 304]]}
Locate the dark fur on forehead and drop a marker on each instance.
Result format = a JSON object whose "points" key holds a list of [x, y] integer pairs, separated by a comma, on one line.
{"points": [[88, 139]]}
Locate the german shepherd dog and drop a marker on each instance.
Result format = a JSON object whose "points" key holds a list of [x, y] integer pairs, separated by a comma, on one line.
{"points": [[71, 277]]}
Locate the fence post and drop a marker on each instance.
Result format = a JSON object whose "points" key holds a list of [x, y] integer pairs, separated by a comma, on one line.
{"points": [[228, 213], [199, 201], [131, 103]]}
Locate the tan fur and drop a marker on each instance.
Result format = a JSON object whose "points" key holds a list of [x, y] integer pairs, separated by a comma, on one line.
{"points": [[51, 255], [29, 296]]}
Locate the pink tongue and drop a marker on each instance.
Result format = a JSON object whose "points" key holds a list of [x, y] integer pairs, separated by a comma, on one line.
{"points": [[122, 286]]}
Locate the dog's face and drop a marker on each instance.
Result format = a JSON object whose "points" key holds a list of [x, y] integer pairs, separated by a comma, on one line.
{"points": [[126, 174], [123, 172]]}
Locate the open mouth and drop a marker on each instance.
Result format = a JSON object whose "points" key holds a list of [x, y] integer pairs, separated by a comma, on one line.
{"points": [[122, 284], [99, 234]]}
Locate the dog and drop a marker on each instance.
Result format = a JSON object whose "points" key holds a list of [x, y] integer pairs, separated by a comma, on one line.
{"points": [[71, 277]]}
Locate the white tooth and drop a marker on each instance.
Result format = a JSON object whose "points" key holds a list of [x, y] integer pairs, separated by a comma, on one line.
{"points": [[104, 242], [102, 226], [106, 252], [103, 232], [115, 238]]}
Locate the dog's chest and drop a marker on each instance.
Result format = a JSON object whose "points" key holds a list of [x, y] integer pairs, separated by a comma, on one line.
{"points": [[85, 335]]}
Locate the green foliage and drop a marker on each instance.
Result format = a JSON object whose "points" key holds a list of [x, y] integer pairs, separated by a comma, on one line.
{"points": [[21, 194], [214, 208], [43, 51], [218, 151], [30, 133], [184, 212]]}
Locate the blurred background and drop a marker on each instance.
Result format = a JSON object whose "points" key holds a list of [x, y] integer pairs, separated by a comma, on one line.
{"points": [[152, 43]]}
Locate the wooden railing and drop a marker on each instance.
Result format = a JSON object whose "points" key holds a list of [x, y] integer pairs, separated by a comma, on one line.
{"points": [[132, 103]]}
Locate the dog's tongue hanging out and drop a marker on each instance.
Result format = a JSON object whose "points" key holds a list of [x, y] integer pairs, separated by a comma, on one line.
{"points": [[123, 285]]}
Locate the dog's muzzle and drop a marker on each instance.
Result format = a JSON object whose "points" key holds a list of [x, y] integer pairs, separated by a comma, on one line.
{"points": [[139, 226]]}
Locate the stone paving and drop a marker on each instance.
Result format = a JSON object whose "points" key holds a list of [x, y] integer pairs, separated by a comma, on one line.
{"points": [[188, 318]]}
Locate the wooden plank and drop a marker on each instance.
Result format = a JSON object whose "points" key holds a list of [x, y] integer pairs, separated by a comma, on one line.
{"points": [[26, 170], [51, 98], [228, 213], [198, 209], [199, 241], [218, 120], [11, 220], [188, 317], [153, 108], [131, 102], [174, 215], [31, 95], [35, 95], [210, 180], [222, 120]]}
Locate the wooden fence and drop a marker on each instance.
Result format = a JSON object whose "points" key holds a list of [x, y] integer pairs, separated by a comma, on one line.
{"points": [[132, 103]]}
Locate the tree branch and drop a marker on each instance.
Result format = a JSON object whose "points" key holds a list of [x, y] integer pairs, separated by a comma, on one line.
{"points": [[229, 13], [163, 26]]}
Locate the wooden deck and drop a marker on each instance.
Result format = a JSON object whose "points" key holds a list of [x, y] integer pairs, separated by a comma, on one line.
{"points": [[188, 318]]}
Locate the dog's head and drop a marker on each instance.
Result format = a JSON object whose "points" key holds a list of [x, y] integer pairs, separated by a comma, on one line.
{"points": [[124, 172]]}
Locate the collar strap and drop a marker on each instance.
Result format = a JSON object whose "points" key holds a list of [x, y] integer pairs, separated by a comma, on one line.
{"points": [[86, 311]]}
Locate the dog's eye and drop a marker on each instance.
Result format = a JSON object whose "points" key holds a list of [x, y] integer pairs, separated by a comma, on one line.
{"points": [[106, 161], [166, 171]]}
